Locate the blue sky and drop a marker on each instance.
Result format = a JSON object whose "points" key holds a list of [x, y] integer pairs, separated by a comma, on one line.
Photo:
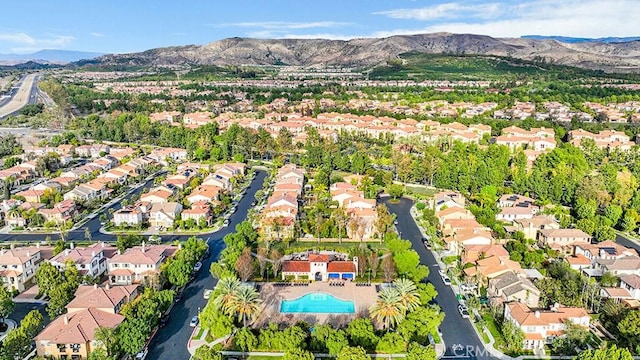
{"points": [[117, 26]]}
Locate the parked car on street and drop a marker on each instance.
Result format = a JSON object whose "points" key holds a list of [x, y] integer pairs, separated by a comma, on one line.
{"points": [[194, 321], [464, 312], [197, 266], [207, 293]]}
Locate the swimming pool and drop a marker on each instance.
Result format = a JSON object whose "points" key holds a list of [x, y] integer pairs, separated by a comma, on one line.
{"points": [[319, 303]]}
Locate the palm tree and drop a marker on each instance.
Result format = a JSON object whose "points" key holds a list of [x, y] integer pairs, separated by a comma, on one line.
{"points": [[408, 292], [388, 309], [245, 303], [227, 288]]}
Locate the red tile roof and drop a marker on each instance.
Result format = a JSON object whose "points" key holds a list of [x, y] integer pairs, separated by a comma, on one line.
{"points": [[296, 266], [318, 258], [341, 267]]}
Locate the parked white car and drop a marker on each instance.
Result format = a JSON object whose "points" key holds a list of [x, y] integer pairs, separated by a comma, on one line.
{"points": [[207, 294]]}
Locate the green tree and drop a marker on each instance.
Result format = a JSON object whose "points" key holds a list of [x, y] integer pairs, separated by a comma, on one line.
{"points": [[225, 291], [6, 302], [629, 328], [353, 353], [217, 322], [133, 335], [388, 308], [207, 353], [245, 303], [298, 354], [513, 335], [48, 277], [245, 340], [609, 353], [108, 338], [408, 292], [419, 352], [630, 220], [395, 191], [361, 333], [391, 343]]}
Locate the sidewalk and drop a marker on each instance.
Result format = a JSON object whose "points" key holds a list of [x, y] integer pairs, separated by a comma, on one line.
{"points": [[193, 345], [11, 324]]}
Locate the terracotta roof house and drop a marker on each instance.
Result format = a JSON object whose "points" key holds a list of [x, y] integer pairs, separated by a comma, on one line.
{"points": [[158, 196], [511, 286], [471, 253], [511, 214], [90, 260], [198, 211], [163, 215], [139, 264], [459, 239], [491, 267], [542, 326], [578, 262], [128, 216], [60, 212], [204, 193], [319, 266], [18, 265], [448, 199], [72, 336], [603, 250], [452, 213], [108, 298]]}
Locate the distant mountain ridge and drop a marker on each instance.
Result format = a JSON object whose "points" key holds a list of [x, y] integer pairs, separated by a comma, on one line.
{"points": [[49, 56], [610, 57], [573, 40]]}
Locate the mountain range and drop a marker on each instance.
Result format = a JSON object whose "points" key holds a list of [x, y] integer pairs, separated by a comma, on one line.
{"points": [[621, 57], [573, 40], [48, 56]]}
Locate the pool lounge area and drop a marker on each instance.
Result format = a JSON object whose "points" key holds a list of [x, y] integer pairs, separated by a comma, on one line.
{"points": [[317, 303]]}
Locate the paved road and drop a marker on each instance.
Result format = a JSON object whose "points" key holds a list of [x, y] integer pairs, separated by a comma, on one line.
{"points": [[22, 309], [170, 342], [27, 93], [628, 243], [455, 330]]}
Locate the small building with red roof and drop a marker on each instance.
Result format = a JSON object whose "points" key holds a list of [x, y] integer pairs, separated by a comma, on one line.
{"points": [[319, 266]]}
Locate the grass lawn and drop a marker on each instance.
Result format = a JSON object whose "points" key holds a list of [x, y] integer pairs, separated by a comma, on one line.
{"points": [[264, 357], [421, 190], [490, 323], [485, 337], [199, 334]]}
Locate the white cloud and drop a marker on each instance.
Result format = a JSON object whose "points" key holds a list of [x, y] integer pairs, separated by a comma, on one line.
{"points": [[446, 11], [578, 18], [27, 43], [97, 34]]}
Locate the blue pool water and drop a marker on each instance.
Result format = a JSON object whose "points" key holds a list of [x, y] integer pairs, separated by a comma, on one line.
{"points": [[319, 303]]}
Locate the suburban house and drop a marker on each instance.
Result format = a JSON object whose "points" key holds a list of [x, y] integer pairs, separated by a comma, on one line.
{"points": [[603, 250], [157, 196], [628, 265], [163, 215], [91, 260], [531, 226], [632, 284], [18, 265], [72, 335], [128, 216], [511, 286], [511, 214], [319, 266], [198, 211], [488, 268], [472, 253], [461, 238], [61, 212], [204, 193], [511, 200], [104, 298], [447, 199], [139, 264], [453, 213], [31, 195], [562, 238], [161, 155], [542, 326]]}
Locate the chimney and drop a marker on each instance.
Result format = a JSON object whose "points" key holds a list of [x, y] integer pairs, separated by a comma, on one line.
{"points": [[37, 245], [13, 246], [95, 286], [555, 307], [119, 252], [66, 320], [66, 252], [537, 314], [28, 253], [72, 246], [143, 247], [93, 254], [108, 286]]}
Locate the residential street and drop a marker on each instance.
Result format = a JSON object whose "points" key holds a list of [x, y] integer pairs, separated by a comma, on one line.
{"points": [[170, 342], [458, 334]]}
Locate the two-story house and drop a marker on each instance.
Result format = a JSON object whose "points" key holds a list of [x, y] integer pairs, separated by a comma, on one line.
{"points": [[18, 265], [562, 238], [91, 260], [139, 264], [511, 286], [540, 327], [632, 284]]}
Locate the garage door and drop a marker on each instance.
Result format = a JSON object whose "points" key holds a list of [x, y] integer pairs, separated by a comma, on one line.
{"points": [[334, 276], [347, 276]]}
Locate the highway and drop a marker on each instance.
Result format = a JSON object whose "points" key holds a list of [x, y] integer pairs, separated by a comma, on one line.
{"points": [[25, 92], [458, 334]]}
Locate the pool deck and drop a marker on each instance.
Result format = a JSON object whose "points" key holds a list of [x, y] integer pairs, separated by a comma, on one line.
{"points": [[362, 296]]}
